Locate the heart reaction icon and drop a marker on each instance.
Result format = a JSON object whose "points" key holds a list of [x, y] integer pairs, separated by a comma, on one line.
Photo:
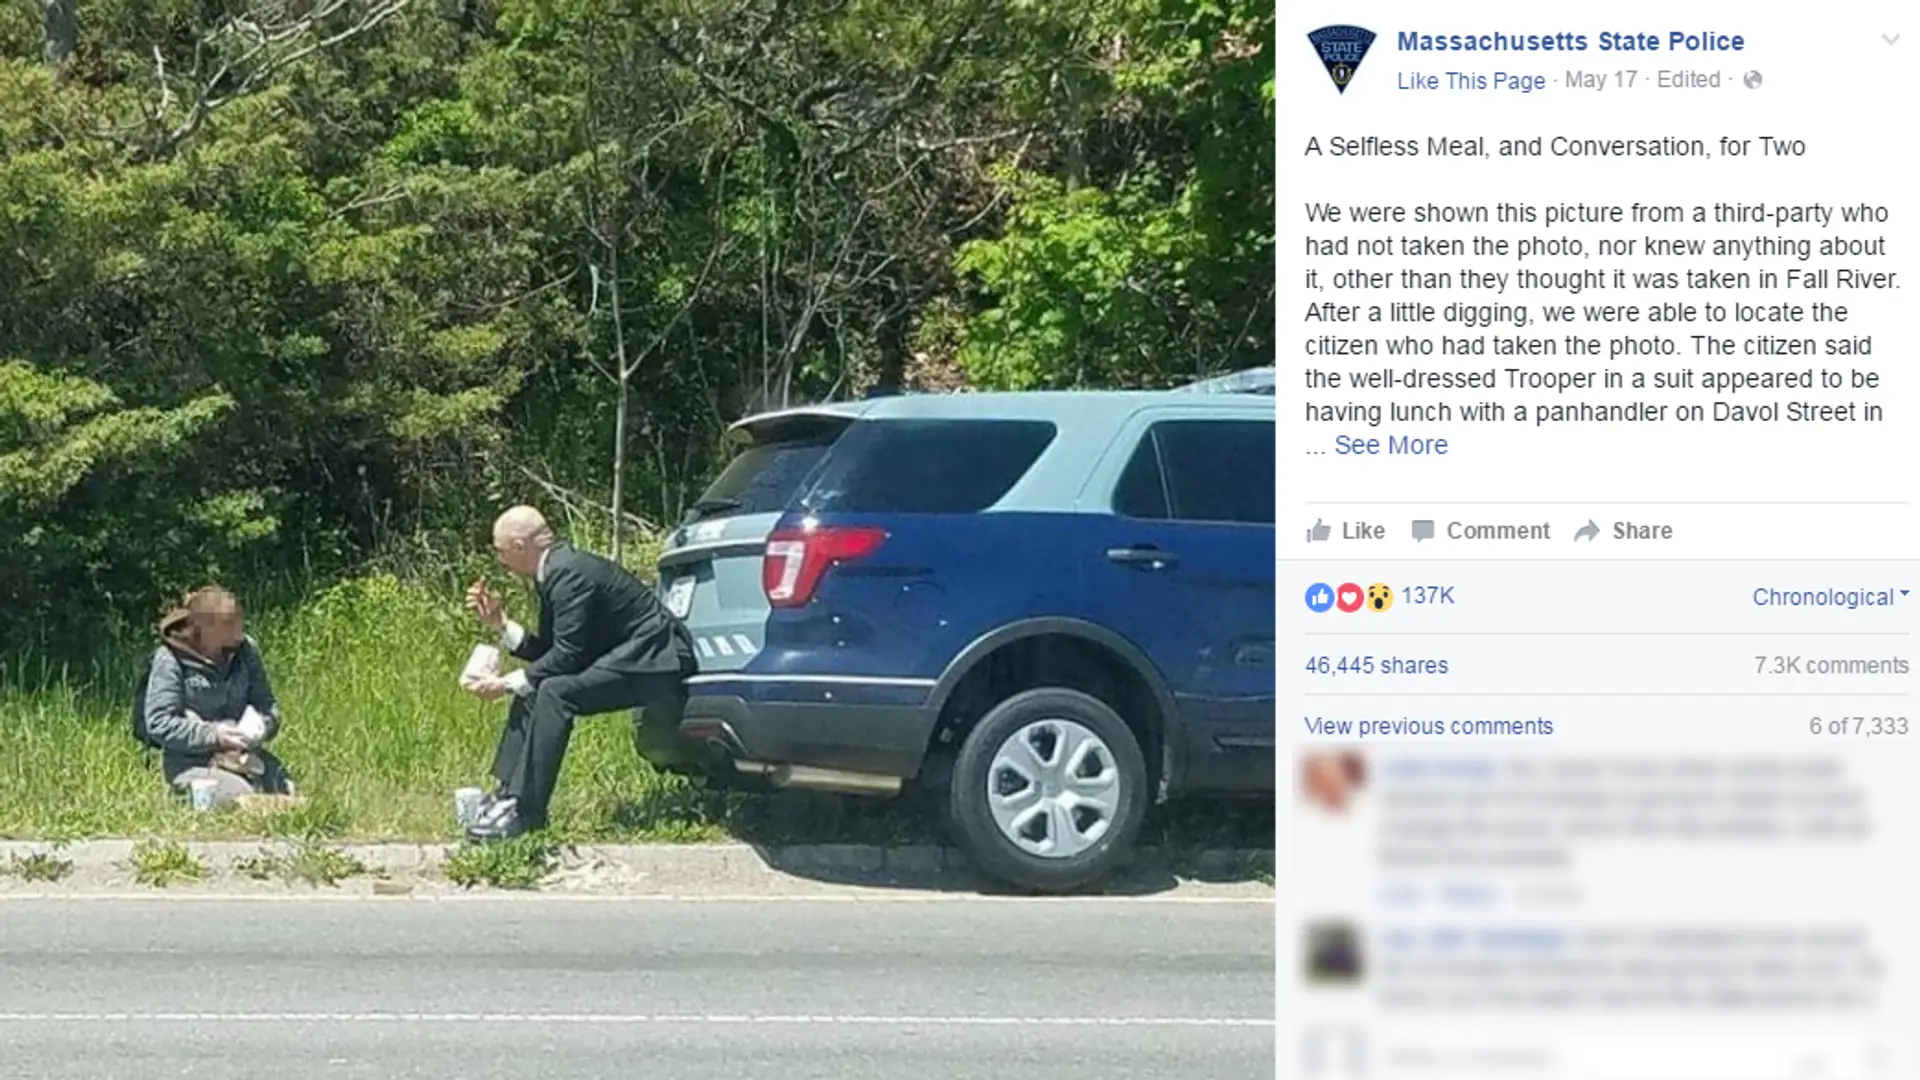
{"points": [[1349, 597]]}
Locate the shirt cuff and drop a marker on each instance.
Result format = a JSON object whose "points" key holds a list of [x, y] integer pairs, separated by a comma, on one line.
{"points": [[512, 634], [516, 681]]}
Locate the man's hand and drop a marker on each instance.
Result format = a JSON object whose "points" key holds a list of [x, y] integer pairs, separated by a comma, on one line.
{"points": [[488, 689], [482, 602], [228, 737]]}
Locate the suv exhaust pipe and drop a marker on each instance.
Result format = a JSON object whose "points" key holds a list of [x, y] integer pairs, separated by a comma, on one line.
{"points": [[812, 778]]}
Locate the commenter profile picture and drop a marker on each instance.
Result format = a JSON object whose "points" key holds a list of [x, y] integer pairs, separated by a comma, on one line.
{"points": [[1334, 954], [1341, 48], [1332, 779]]}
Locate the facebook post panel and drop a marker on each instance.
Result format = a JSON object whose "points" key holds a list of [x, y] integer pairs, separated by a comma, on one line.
{"points": [[1597, 447]]}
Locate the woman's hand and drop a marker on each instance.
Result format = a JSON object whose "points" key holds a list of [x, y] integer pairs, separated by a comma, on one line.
{"points": [[229, 737], [482, 602]]}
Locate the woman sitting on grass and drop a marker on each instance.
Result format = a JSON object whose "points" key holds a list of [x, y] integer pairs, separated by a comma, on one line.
{"points": [[205, 677]]}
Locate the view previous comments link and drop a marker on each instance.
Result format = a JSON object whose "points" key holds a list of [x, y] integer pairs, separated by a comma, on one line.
{"points": [[1549, 314]]}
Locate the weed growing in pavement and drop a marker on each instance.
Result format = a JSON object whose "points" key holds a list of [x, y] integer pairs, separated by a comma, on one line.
{"points": [[305, 862], [160, 863], [45, 866], [520, 863]]}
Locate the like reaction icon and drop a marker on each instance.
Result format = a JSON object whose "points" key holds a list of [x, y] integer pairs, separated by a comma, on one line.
{"points": [[1319, 597], [1348, 597]]}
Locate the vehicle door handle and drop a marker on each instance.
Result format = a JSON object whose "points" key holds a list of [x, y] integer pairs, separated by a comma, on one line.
{"points": [[1146, 557]]}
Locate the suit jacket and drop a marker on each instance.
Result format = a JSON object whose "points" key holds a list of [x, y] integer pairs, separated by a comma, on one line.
{"points": [[594, 613]]}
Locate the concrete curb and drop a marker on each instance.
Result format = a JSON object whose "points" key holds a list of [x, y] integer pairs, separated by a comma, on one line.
{"points": [[591, 866]]}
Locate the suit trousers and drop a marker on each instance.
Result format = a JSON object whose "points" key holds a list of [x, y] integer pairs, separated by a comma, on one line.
{"points": [[534, 742]]}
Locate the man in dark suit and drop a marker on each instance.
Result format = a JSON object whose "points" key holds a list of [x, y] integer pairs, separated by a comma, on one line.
{"points": [[605, 643]]}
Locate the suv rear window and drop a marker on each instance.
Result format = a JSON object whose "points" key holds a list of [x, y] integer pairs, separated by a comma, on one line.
{"points": [[927, 466], [1201, 471], [764, 477]]}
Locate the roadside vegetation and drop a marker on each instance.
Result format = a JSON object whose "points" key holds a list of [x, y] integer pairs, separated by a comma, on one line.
{"points": [[160, 863], [297, 297], [38, 866], [378, 736], [520, 863], [305, 862]]}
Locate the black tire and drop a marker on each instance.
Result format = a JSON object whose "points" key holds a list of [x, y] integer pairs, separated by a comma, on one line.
{"points": [[972, 813]]}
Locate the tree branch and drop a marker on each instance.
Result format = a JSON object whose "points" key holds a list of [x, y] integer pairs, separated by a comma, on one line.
{"points": [[776, 19], [929, 72], [722, 244], [262, 59], [572, 499], [707, 78], [393, 193], [494, 306], [942, 145]]}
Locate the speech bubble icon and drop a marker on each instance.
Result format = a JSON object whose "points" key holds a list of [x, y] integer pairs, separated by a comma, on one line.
{"points": [[1423, 530]]}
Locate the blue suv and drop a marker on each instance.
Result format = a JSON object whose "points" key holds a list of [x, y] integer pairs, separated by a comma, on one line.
{"points": [[1052, 607]]}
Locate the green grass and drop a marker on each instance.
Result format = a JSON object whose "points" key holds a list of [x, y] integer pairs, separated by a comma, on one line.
{"points": [[378, 736]]}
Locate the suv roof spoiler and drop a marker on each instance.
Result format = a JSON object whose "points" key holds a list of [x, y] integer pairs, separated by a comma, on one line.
{"points": [[797, 416], [1258, 380]]}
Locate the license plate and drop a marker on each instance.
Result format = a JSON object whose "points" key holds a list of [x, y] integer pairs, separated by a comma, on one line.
{"points": [[680, 597]]}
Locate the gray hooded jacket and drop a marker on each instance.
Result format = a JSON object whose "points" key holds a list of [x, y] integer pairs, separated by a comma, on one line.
{"points": [[180, 683]]}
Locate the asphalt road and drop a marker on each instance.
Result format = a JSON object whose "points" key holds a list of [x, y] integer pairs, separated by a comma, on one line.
{"points": [[949, 988]]}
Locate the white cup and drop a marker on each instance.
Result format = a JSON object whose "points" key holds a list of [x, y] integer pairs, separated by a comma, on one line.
{"points": [[203, 791], [466, 805]]}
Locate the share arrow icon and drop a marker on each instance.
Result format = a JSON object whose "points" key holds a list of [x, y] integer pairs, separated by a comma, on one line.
{"points": [[1587, 531]]}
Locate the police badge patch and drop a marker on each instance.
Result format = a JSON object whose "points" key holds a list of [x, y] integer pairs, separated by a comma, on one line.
{"points": [[1341, 48]]}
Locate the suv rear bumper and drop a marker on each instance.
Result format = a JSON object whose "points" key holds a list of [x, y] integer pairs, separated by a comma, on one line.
{"points": [[882, 739]]}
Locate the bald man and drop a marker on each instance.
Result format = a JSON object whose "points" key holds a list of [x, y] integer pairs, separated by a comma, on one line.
{"points": [[605, 643]]}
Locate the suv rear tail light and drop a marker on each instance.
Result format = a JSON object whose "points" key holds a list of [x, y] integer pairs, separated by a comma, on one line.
{"points": [[798, 558]]}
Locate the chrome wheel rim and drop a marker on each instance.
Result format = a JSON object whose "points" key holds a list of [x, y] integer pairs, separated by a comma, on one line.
{"points": [[1054, 788]]}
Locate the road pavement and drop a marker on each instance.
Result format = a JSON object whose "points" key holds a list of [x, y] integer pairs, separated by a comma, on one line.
{"points": [[793, 987]]}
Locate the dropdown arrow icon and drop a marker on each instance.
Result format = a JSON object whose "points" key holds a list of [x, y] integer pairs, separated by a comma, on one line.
{"points": [[1903, 592], [1890, 38]]}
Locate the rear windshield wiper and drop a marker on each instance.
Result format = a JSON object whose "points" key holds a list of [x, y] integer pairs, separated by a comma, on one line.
{"points": [[704, 507]]}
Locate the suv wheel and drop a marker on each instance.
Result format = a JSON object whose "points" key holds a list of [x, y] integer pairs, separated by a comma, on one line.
{"points": [[1049, 790]]}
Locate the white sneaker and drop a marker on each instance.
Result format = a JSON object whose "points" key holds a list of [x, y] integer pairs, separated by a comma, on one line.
{"points": [[495, 813]]}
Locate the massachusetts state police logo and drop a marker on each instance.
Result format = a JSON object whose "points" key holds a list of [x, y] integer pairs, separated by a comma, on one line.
{"points": [[1341, 48]]}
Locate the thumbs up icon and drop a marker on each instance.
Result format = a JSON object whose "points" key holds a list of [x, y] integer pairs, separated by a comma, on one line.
{"points": [[1319, 531]]}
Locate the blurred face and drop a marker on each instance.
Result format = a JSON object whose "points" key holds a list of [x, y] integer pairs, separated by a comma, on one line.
{"points": [[222, 631]]}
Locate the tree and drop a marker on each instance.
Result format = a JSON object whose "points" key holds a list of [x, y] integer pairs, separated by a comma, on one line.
{"points": [[623, 189], [1139, 246], [72, 453], [315, 283]]}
